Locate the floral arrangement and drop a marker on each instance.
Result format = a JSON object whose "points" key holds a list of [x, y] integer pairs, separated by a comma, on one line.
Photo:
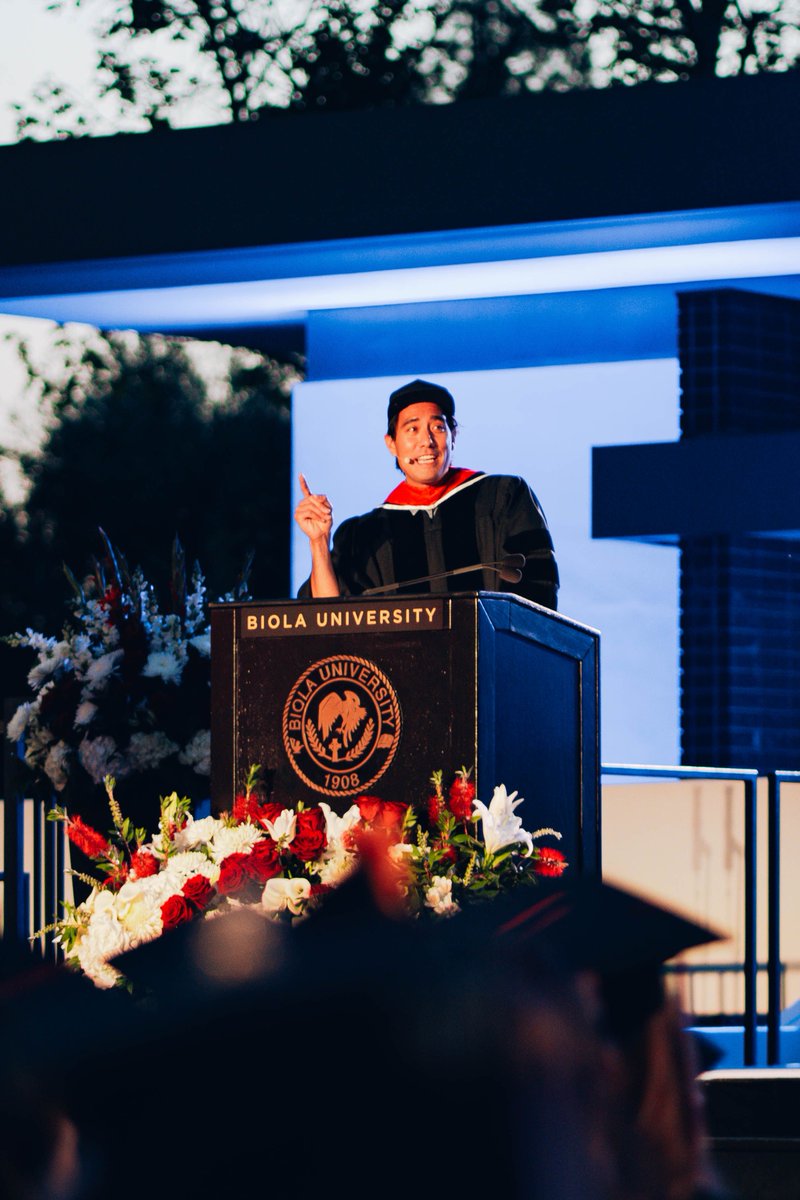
{"points": [[126, 688], [281, 861]]}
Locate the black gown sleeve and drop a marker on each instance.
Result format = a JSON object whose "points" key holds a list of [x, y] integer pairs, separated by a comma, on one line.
{"points": [[523, 530]]}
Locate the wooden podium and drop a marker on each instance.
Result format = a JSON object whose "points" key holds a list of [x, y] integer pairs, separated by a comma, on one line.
{"points": [[341, 698]]}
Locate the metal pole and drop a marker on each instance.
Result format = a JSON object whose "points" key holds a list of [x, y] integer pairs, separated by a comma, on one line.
{"points": [[750, 958], [773, 920], [13, 875]]}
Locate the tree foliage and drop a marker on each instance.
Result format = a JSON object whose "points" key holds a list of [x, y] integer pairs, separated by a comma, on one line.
{"points": [[161, 62], [137, 442]]}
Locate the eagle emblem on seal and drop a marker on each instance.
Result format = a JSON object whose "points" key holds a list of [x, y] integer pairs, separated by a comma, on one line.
{"points": [[341, 725]]}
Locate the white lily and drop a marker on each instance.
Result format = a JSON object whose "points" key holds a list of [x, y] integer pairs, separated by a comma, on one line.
{"points": [[501, 827], [282, 829], [335, 826]]}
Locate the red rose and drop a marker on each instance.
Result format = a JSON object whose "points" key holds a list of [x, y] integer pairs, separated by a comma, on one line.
{"points": [[270, 811], [198, 891], [369, 807], [384, 813], [233, 874], [392, 814], [176, 911], [550, 862], [143, 863], [250, 808], [263, 862], [310, 838]]}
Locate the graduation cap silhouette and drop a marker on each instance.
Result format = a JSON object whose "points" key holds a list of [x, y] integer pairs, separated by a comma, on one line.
{"points": [[623, 938]]}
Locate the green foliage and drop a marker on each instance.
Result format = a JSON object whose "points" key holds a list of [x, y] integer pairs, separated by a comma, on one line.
{"points": [[138, 442], [252, 57]]}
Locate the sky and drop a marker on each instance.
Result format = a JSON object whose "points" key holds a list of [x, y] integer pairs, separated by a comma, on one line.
{"points": [[36, 44]]}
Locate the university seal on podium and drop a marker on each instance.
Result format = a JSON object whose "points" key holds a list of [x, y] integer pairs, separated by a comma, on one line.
{"points": [[341, 725]]}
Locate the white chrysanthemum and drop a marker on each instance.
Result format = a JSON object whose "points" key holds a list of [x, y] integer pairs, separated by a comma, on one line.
{"points": [[46, 668], [139, 912], [101, 973], [102, 939], [18, 723], [152, 887], [234, 839], [84, 714], [100, 670], [202, 644], [439, 896], [197, 752], [40, 673], [281, 894], [99, 757], [146, 750], [56, 765], [163, 665], [190, 862], [336, 865], [194, 833]]}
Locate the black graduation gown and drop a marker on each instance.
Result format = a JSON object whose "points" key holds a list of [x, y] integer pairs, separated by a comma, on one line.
{"points": [[481, 520]]}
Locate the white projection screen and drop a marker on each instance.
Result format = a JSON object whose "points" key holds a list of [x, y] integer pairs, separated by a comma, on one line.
{"points": [[540, 423]]}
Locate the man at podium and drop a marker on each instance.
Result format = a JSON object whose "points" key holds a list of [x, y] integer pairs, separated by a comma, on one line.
{"points": [[443, 528]]}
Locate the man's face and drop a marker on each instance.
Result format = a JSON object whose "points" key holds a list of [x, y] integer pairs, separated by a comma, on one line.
{"points": [[423, 443]]}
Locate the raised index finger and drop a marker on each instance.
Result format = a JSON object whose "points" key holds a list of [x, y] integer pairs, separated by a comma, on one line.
{"points": [[304, 486]]}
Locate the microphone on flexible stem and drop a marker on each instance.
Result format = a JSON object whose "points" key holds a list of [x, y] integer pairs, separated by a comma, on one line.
{"points": [[508, 569]]}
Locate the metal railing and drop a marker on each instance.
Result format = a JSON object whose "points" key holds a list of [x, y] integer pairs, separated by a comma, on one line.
{"points": [[774, 962], [749, 779], [33, 876]]}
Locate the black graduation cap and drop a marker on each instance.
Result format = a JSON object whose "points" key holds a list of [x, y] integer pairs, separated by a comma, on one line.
{"points": [[417, 392], [623, 938]]}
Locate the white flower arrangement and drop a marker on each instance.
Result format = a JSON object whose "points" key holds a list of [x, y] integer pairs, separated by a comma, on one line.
{"points": [[125, 690], [281, 862]]}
